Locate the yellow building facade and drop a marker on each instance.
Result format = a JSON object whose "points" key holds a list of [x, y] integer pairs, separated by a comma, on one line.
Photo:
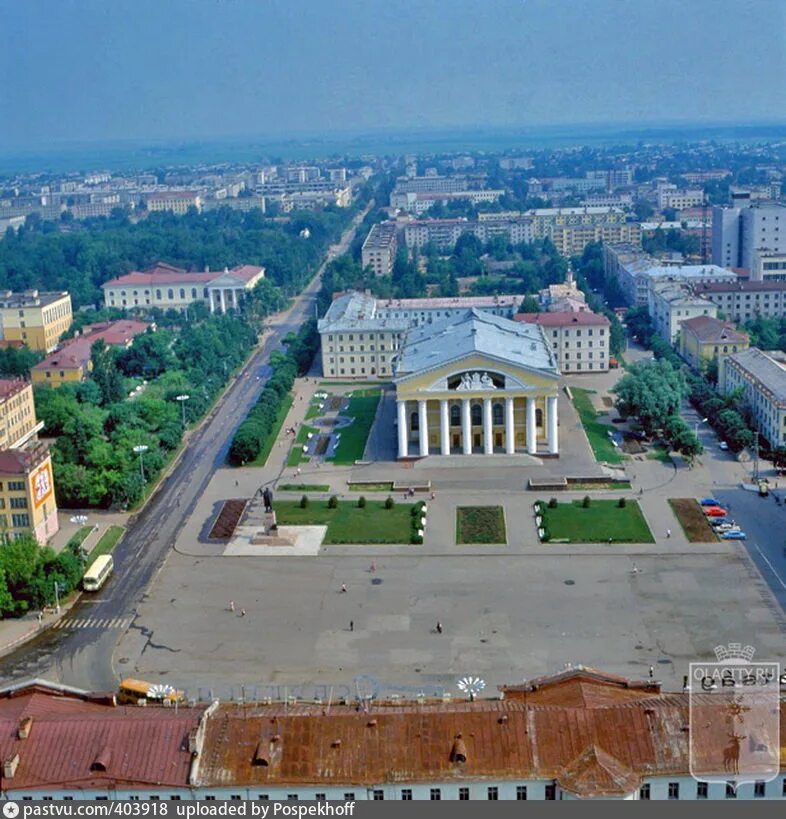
{"points": [[480, 384], [38, 320], [27, 493], [705, 338], [18, 422]]}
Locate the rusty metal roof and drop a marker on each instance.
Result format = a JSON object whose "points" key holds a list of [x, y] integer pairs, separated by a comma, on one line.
{"points": [[592, 744], [78, 742]]}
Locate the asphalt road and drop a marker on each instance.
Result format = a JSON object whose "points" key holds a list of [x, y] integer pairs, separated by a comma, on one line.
{"points": [[82, 656]]}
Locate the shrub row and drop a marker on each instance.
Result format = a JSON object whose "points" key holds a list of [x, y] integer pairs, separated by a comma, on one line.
{"points": [[251, 436]]}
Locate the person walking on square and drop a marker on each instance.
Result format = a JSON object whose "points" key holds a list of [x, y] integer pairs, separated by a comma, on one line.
{"points": [[231, 605], [351, 625], [439, 627]]}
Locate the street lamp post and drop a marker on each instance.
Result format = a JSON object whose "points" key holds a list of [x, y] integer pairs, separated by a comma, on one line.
{"points": [[57, 597], [140, 450], [696, 426], [181, 399]]}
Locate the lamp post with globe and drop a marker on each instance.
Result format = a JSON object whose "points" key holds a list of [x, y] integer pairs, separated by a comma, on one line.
{"points": [[140, 450], [181, 399]]}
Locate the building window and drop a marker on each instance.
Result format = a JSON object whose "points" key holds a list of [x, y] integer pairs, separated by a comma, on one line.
{"points": [[731, 790], [477, 415], [19, 503], [674, 790], [539, 417], [170, 293], [20, 521], [406, 795], [464, 794], [379, 796], [551, 792], [158, 294], [759, 789], [493, 793], [702, 790], [435, 795], [497, 414], [644, 791], [414, 422], [319, 797], [521, 793], [193, 292], [292, 797], [350, 796]]}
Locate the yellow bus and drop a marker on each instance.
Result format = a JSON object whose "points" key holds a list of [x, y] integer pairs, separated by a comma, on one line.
{"points": [[131, 691], [97, 574]]}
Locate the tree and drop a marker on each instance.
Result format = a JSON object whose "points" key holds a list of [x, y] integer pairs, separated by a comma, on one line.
{"points": [[652, 391], [681, 437], [149, 355], [105, 373], [529, 305]]}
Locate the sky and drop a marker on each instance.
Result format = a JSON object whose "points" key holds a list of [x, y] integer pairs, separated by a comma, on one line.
{"points": [[77, 71]]}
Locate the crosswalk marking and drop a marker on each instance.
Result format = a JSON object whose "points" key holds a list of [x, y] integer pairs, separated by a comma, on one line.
{"points": [[95, 623]]}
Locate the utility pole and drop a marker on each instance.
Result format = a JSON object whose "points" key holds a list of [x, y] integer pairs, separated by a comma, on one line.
{"points": [[756, 454]]}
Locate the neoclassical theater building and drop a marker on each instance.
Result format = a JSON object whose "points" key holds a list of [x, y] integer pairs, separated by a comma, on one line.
{"points": [[476, 383]]}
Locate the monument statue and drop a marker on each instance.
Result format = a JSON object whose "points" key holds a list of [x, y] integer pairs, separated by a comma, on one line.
{"points": [[475, 381]]}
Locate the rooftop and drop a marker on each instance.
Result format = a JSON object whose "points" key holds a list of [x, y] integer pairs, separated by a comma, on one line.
{"points": [[708, 329], [357, 311], [740, 286], [11, 386], [23, 460], [475, 331], [564, 319], [162, 273], [454, 302], [30, 298], [770, 373]]}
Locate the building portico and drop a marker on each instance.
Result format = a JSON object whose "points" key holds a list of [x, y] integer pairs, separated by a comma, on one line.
{"points": [[491, 388]]}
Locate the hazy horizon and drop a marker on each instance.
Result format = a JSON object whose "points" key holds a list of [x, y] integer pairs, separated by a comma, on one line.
{"points": [[84, 71]]}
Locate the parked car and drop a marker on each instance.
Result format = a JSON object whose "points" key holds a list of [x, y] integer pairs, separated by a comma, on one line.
{"points": [[715, 511], [738, 535], [727, 527], [709, 502], [723, 446]]}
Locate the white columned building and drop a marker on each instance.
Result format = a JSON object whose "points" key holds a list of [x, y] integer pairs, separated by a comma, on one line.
{"points": [[477, 384]]}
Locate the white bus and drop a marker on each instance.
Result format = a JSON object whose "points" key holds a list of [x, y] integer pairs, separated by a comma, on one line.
{"points": [[97, 574]]}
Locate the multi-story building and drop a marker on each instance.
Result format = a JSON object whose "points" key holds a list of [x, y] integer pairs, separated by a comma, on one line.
{"points": [[168, 287], [361, 335], [570, 240], [704, 339], [746, 235], [419, 203], [380, 248], [671, 303], [35, 319], [636, 272], [546, 220], [580, 340], [18, 422], [431, 184], [27, 494], [577, 734], [444, 233], [669, 196], [761, 376], [71, 363], [176, 201], [743, 300]]}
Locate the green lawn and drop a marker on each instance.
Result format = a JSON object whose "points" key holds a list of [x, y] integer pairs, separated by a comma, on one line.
{"points": [[362, 408], [660, 453], [597, 435], [480, 524], [106, 543], [313, 409], [348, 523], [303, 487], [78, 537], [603, 519], [296, 456], [264, 453], [386, 486]]}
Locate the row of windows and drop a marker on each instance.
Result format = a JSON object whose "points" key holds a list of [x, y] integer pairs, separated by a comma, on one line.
{"points": [[361, 349], [601, 332], [170, 293]]}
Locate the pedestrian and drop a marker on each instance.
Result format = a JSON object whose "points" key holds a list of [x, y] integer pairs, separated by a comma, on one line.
{"points": [[40, 618], [433, 495], [236, 483], [641, 491], [299, 470], [372, 568], [652, 672], [343, 588], [242, 612], [439, 627], [351, 625], [231, 605], [668, 533]]}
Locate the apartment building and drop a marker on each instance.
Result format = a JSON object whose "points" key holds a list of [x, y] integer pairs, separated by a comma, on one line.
{"points": [[27, 493], [671, 303], [18, 422], [419, 203], [577, 734], [704, 339], [570, 240], [580, 340], [178, 202], [761, 376], [743, 301], [34, 318], [168, 287], [545, 220], [380, 248], [670, 196], [444, 233], [360, 335]]}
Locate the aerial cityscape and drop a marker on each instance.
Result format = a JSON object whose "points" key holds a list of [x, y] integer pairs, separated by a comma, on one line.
{"points": [[369, 433]]}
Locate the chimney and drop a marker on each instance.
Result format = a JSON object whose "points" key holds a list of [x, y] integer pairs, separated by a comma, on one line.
{"points": [[9, 766], [25, 726]]}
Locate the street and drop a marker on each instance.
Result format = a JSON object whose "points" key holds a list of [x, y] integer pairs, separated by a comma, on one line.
{"points": [[83, 656]]}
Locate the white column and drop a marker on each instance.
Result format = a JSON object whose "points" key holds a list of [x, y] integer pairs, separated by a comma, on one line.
{"points": [[223, 301], [510, 428], [532, 430], [423, 427], [444, 427], [552, 428], [235, 300], [403, 437], [488, 439], [211, 300], [466, 427]]}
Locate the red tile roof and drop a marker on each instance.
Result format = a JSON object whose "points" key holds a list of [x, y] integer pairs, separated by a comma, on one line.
{"points": [[160, 273], [22, 461], [76, 741], [566, 318], [11, 386]]}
